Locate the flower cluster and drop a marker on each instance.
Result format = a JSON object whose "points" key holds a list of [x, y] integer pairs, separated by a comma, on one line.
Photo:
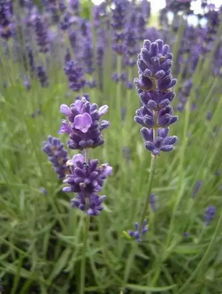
{"points": [[81, 175], [86, 178], [154, 87], [138, 233], [42, 76], [75, 75], [209, 214], [57, 155], [83, 123], [6, 25], [41, 34], [118, 24]]}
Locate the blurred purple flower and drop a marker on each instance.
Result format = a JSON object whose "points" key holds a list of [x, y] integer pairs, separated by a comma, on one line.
{"points": [[209, 214], [139, 232], [75, 75]]}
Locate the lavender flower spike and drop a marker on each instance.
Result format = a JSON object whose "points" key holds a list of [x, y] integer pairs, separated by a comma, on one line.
{"points": [[86, 178], [6, 24], [83, 123], [209, 214], [75, 75], [139, 232], [154, 87], [57, 155]]}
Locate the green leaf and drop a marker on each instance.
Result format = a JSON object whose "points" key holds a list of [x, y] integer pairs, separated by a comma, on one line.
{"points": [[147, 288]]}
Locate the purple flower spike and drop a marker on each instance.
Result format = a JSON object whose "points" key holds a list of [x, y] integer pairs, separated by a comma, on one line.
{"points": [[139, 232], [209, 214], [6, 15], [42, 37], [83, 123], [75, 75], [57, 155], [154, 87], [86, 178]]}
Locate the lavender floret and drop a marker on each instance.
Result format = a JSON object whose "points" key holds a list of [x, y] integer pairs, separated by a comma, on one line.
{"points": [[42, 76], [6, 24], [75, 75], [41, 34], [57, 155], [209, 214], [83, 123], [138, 233]]}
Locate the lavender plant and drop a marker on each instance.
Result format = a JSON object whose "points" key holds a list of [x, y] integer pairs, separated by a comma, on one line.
{"points": [[51, 245]]}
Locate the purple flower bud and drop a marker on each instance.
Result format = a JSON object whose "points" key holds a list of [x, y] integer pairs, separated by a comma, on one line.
{"points": [[139, 232]]}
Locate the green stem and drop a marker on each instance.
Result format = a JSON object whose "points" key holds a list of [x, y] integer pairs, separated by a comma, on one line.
{"points": [[178, 199], [83, 260], [181, 171], [118, 86], [143, 216], [150, 183]]}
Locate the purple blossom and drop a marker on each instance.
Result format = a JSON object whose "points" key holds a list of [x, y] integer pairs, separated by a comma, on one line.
{"points": [[131, 42], [6, 21], [42, 37], [74, 5], [119, 14], [154, 87], [209, 214], [83, 123], [138, 233], [57, 155], [86, 178], [42, 76], [75, 75]]}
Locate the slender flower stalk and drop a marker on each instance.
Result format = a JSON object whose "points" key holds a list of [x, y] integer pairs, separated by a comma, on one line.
{"points": [[154, 87]]}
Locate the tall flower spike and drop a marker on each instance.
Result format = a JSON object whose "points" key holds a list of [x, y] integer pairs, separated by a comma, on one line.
{"points": [[86, 178], [75, 75], [119, 14], [154, 87], [6, 24], [41, 34], [83, 123], [57, 155]]}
